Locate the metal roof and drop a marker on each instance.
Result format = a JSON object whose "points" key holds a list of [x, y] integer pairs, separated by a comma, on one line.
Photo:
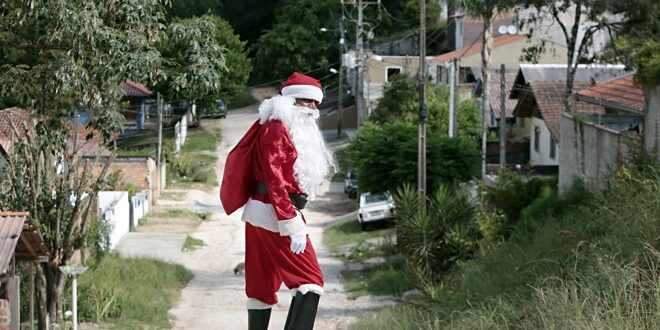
{"points": [[18, 237], [585, 73]]}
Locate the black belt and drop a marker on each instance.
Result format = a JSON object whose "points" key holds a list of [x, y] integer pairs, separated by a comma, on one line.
{"points": [[298, 200]]}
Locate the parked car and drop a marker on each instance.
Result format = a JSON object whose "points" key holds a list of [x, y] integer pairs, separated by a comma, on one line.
{"points": [[217, 111], [350, 183], [374, 207]]}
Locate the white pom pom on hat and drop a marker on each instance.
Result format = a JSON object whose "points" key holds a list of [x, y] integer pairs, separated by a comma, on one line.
{"points": [[301, 86]]}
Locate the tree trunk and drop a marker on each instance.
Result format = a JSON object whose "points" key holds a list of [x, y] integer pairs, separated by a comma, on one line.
{"points": [[487, 45], [43, 301], [54, 290]]}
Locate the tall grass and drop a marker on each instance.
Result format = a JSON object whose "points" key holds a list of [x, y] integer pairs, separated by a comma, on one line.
{"points": [[130, 293], [583, 261]]}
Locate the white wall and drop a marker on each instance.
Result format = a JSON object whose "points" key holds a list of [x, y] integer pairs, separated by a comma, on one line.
{"points": [[115, 210], [542, 157]]}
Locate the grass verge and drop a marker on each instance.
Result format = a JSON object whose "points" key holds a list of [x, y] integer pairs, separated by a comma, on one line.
{"points": [[133, 293], [194, 167], [391, 278], [347, 241], [192, 244]]}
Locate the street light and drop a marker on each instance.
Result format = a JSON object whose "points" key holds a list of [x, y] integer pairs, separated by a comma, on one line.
{"points": [[74, 271]]}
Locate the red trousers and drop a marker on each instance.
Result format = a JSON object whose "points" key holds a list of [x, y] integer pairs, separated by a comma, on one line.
{"points": [[269, 262]]}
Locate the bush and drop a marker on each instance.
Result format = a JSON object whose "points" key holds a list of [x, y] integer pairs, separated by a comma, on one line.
{"points": [[386, 157], [511, 195], [433, 239], [400, 103]]}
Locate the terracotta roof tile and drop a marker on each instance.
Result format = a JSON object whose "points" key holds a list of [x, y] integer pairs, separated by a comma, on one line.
{"points": [[15, 116], [549, 99], [622, 91], [134, 88], [475, 48], [19, 117]]}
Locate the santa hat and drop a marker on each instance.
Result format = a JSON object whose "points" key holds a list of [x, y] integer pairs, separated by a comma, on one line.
{"points": [[300, 86]]}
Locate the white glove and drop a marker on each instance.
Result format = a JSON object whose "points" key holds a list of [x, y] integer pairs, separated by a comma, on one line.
{"points": [[299, 241]]}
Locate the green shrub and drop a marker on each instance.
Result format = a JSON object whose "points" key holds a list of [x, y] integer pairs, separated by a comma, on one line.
{"points": [[433, 239], [511, 194], [385, 157], [490, 225], [201, 173]]}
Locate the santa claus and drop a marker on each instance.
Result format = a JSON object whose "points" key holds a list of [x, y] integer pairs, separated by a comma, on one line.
{"points": [[278, 165]]}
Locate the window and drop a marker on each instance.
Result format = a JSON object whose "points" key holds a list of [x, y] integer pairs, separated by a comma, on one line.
{"points": [[537, 138], [553, 148], [391, 71]]}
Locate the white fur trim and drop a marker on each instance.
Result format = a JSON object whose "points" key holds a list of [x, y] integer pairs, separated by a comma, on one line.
{"points": [[260, 214], [305, 288], [253, 303], [303, 92], [291, 226]]}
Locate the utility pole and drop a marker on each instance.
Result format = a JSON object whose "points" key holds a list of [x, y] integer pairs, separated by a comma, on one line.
{"points": [[160, 134], [502, 117], [360, 60], [360, 70], [453, 82], [421, 151], [340, 103]]}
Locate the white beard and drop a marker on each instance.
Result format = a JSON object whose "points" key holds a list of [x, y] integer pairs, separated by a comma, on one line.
{"points": [[314, 158]]}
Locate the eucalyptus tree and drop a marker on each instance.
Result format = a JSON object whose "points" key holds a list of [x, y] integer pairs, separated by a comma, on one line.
{"points": [[579, 21], [68, 55]]}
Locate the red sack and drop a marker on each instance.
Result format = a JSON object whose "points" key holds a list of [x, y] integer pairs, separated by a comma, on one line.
{"points": [[238, 181]]}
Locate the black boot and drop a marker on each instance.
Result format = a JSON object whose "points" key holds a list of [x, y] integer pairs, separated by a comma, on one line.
{"points": [[258, 319], [303, 311], [288, 316]]}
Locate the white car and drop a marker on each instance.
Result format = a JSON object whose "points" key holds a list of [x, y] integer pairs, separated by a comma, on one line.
{"points": [[375, 207]]}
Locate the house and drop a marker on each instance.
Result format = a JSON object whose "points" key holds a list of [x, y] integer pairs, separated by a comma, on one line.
{"points": [[381, 70], [495, 99], [597, 145], [539, 89], [140, 172], [19, 242], [507, 50], [136, 94]]}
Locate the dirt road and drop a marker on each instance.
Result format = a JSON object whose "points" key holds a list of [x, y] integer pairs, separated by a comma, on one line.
{"points": [[215, 299]]}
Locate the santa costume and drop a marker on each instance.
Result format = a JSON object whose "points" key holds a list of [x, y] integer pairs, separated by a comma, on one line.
{"points": [[278, 165]]}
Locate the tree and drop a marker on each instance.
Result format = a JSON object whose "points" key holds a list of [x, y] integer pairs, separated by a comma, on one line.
{"points": [[73, 56], [225, 66], [385, 157], [638, 43], [589, 17], [295, 42], [400, 103]]}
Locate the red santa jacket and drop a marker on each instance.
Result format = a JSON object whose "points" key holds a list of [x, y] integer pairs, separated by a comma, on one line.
{"points": [[275, 156], [266, 153]]}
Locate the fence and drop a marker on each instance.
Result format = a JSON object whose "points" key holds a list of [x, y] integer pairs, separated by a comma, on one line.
{"points": [[591, 152]]}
